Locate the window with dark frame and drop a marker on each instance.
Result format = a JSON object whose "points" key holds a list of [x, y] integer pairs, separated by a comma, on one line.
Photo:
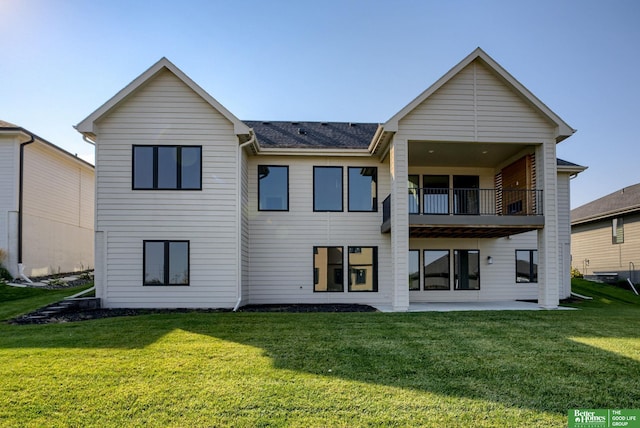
{"points": [[436, 270], [273, 188], [363, 189], [414, 269], [166, 262], [167, 168], [327, 188], [467, 269], [328, 269], [617, 229], [526, 266], [363, 269]]}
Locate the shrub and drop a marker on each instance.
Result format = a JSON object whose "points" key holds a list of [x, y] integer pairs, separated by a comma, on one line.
{"points": [[575, 273], [4, 274]]}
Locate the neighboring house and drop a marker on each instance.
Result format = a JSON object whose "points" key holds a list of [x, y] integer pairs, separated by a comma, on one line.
{"points": [[457, 197], [606, 236], [46, 205]]}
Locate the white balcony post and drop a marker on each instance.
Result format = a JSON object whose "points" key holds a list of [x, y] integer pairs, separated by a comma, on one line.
{"points": [[399, 223], [548, 240]]}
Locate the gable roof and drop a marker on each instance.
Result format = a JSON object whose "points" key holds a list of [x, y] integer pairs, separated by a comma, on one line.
{"points": [[86, 126], [313, 135], [563, 129], [10, 128], [623, 201]]}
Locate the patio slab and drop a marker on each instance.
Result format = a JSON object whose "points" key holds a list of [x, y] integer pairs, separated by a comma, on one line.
{"points": [[472, 306]]}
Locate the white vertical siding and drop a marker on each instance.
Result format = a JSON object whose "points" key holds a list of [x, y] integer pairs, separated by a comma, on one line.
{"points": [[165, 111], [281, 243], [58, 200], [475, 105], [399, 161], [9, 148]]}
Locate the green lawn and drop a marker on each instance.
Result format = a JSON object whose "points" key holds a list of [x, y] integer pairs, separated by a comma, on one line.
{"points": [[502, 369]]}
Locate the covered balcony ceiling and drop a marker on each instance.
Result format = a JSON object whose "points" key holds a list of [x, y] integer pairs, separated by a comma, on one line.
{"points": [[481, 155]]}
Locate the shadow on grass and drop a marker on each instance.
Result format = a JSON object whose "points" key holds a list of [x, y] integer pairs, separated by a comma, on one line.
{"points": [[526, 360]]}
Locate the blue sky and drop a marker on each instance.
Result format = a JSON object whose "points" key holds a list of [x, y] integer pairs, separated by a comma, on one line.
{"points": [[349, 60]]}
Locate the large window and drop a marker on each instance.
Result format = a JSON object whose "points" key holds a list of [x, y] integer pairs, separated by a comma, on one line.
{"points": [[327, 188], [617, 228], [166, 263], [467, 269], [328, 269], [167, 167], [436, 269], [414, 269], [526, 266], [363, 268], [273, 188], [363, 189], [436, 194]]}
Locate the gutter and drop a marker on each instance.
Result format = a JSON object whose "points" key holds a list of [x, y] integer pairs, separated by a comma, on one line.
{"points": [[20, 206], [239, 217]]}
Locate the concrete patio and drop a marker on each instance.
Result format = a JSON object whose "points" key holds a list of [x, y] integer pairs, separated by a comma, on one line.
{"points": [[472, 306]]}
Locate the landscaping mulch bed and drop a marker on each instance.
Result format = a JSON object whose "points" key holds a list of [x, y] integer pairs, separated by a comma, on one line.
{"points": [[92, 314]]}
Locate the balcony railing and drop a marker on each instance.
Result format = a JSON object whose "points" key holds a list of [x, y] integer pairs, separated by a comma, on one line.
{"points": [[484, 202]]}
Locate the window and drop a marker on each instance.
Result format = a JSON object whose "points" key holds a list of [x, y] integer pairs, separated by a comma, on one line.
{"points": [[167, 168], [466, 194], [363, 189], [436, 269], [617, 228], [467, 269], [436, 194], [327, 188], [363, 268], [526, 265], [273, 188], [328, 269], [414, 270], [166, 263]]}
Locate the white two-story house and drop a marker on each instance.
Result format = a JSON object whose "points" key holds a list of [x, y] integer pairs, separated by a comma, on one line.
{"points": [[458, 197]]}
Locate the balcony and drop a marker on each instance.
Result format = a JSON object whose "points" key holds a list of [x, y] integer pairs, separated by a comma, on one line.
{"points": [[469, 213]]}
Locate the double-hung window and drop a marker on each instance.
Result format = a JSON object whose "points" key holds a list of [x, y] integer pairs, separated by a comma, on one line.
{"points": [[617, 229], [167, 168], [166, 263]]}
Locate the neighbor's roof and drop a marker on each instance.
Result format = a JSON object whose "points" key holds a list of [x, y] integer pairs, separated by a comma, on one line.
{"points": [[313, 135], [10, 127], [623, 201]]}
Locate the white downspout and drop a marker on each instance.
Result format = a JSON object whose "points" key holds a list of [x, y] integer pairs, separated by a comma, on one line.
{"points": [[239, 218]]}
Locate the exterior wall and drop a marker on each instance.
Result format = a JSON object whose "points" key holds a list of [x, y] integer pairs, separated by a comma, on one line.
{"points": [[58, 205], [564, 234], [281, 243], [245, 225], [592, 241], [497, 281], [475, 106], [165, 111], [9, 158]]}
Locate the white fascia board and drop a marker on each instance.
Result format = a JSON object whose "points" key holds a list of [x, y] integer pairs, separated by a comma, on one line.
{"points": [[314, 152], [86, 126]]}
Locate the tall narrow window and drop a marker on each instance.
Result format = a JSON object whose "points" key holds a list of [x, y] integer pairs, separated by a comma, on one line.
{"points": [[617, 228], [273, 188], [467, 269], [435, 195], [328, 269], [436, 269], [363, 189], [466, 194], [166, 263], [526, 266], [327, 188], [414, 194], [363, 268], [167, 168], [414, 270]]}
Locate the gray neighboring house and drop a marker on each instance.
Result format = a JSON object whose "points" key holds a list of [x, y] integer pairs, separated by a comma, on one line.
{"points": [[605, 236]]}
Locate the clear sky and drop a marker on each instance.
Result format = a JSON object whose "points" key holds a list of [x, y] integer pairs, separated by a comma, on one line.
{"points": [[331, 60]]}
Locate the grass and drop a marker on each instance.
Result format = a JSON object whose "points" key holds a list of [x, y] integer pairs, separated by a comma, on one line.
{"points": [[325, 369]]}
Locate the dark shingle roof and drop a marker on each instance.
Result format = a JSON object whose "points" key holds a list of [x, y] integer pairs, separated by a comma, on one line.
{"points": [[313, 135], [562, 162], [621, 201], [4, 124]]}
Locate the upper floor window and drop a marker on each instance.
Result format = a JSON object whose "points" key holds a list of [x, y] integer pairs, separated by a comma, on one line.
{"points": [[363, 189], [327, 188], [617, 229], [167, 168], [273, 188]]}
